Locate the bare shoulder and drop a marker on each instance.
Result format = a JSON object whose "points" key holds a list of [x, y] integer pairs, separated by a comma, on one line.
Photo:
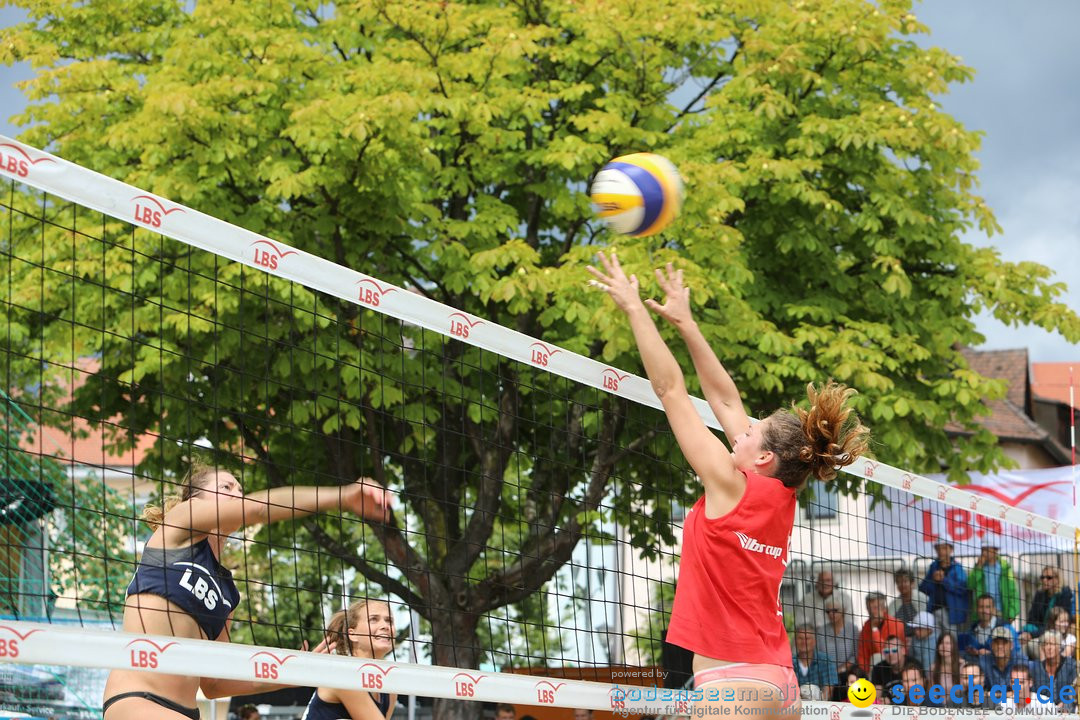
{"points": [[724, 496]]}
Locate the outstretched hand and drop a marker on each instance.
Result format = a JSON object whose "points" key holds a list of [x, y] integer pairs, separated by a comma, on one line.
{"points": [[622, 289], [676, 307], [369, 500], [325, 647]]}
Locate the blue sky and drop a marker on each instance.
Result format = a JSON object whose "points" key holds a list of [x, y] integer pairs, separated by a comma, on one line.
{"points": [[1025, 97]]}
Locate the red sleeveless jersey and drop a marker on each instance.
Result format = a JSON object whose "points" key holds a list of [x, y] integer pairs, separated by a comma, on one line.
{"points": [[727, 602]]}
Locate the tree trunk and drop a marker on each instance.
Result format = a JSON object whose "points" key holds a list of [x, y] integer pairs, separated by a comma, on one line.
{"points": [[456, 645]]}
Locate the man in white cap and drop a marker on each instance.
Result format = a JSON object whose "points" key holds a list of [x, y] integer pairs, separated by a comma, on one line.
{"points": [[993, 576], [998, 665], [924, 639]]}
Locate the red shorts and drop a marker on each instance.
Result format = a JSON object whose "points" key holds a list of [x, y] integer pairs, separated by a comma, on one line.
{"points": [[777, 676]]}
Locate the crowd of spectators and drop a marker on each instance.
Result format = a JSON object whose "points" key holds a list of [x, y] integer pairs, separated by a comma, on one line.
{"points": [[956, 627]]}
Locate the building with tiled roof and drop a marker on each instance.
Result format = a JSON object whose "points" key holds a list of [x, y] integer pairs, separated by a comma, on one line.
{"points": [[1051, 404], [1027, 427]]}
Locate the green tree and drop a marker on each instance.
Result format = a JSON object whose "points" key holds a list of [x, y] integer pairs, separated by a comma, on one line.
{"points": [[445, 146]]}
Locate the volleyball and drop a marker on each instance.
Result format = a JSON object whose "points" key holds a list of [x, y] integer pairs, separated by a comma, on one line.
{"points": [[638, 194]]}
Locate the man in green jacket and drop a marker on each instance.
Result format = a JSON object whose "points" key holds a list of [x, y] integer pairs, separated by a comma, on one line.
{"points": [[994, 576]]}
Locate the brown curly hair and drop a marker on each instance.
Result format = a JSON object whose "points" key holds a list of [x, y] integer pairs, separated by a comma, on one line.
{"points": [[818, 441]]}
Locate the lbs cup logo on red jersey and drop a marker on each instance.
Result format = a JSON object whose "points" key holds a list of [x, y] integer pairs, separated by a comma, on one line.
{"points": [[17, 161], [151, 211]]}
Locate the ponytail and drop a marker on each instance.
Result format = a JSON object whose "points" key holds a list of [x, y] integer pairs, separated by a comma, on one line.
{"points": [[818, 441], [197, 477]]}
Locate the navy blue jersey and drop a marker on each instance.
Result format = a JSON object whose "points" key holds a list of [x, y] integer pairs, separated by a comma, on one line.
{"points": [[192, 578], [319, 709]]}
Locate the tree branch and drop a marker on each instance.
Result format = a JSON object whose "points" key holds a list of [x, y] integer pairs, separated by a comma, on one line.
{"points": [[496, 455], [418, 575], [528, 574]]}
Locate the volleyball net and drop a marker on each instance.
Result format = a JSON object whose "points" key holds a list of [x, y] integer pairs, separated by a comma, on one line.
{"points": [[533, 553]]}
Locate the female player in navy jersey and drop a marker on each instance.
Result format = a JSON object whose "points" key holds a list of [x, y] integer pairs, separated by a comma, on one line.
{"points": [[181, 589], [736, 538], [365, 630]]}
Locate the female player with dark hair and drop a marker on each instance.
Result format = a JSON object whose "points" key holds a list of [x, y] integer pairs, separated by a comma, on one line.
{"points": [[181, 589], [364, 630], [736, 538]]}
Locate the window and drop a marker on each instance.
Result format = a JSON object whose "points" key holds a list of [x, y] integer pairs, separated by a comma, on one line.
{"points": [[824, 506]]}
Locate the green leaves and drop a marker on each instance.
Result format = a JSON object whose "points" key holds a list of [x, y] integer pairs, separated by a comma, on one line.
{"points": [[448, 147]]}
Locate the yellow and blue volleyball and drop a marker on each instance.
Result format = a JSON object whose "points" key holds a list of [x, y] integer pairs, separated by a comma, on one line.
{"points": [[638, 194]]}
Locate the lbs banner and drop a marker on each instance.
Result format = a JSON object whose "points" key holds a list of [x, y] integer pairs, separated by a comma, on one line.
{"points": [[912, 524]]}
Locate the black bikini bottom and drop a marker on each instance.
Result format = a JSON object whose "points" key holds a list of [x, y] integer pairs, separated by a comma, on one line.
{"points": [[164, 702]]}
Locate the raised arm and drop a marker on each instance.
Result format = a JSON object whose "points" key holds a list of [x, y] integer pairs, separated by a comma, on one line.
{"points": [[719, 389], [703, 450], [218, 513]]}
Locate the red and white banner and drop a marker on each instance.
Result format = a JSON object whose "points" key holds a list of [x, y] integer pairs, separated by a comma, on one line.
{"points": [[37, 644], [913, 524], [34, 168]]}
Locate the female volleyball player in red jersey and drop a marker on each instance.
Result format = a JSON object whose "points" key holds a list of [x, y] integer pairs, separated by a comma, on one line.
{"points": [[736, 538], [181, 589]]}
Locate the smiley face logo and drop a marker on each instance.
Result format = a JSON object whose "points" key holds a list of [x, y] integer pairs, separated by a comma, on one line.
{"points": [[861, 693]]}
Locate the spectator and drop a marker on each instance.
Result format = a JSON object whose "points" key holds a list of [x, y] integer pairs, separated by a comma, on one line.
{"points": [[853, 675], [580, 714], [911, 674], [248, 712], [997, 666], [1050, 595], [946, 670], [1052, 670], [839, 636], [1021, 675], [946, 590], [813, 610], [812, 667], [976, 641], [993, 576], [877, 629], [974, 688], [505, 711], [907, 603], [1058, 619], [923, 639], [887, 672]]}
